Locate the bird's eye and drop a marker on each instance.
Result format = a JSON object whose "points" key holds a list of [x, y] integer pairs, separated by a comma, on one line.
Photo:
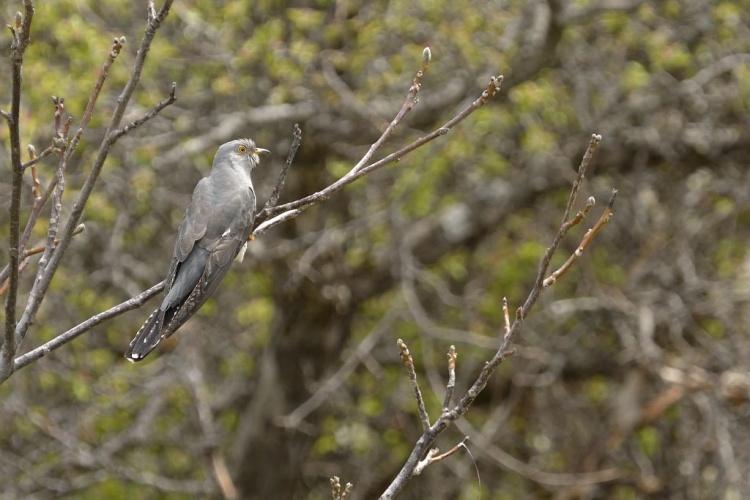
{"points": [[242, 149]]}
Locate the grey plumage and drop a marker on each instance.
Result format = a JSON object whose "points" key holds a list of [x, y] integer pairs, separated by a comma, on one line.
{"points": [[217, 223]]}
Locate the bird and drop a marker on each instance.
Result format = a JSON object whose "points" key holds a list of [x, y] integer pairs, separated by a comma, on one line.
{"points": [[215, 227]]}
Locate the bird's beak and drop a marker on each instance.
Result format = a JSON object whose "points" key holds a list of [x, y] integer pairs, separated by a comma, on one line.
{"points": [[258, 151]]}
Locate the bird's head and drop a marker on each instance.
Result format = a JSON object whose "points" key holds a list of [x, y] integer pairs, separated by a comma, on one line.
{"points": [[241, 152]]}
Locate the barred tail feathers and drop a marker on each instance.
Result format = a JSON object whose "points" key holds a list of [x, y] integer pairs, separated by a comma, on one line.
{"points": [[147, 338]]}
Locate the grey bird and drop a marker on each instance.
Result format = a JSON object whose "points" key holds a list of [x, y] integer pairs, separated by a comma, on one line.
{"points": [[214, 228]]}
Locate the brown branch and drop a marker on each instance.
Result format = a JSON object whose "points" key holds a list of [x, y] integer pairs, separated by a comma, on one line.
{"points": [[452, 355], [506, 348], [409, 364], [34, 177], [18, 47], [587, 238], [146, 116], [274, 198]]}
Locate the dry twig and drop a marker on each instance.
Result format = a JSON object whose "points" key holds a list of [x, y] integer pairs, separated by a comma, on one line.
{"points": [[409, 364]]}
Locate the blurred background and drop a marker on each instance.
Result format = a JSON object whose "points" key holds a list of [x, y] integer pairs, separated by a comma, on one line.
{"points": [[632, 373]]}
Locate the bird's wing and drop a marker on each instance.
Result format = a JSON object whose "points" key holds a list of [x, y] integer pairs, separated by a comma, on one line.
{"points": [[225, 249], [195, 220], [192, 228]]}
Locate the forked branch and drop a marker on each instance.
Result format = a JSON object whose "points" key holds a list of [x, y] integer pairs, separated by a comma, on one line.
{"points": [[421, 455]]}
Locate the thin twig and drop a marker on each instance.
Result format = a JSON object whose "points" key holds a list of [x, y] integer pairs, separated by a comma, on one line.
{"points": [[36, 159], [54, 218], [409, 364], [432, 456], [274, 198], [587, 238], [33, 216], [39, 249], [146, 116], [506, 315], [34, 175], [412, 98], [452, 355]]}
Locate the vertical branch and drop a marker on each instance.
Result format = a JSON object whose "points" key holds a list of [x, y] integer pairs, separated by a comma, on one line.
{"points": [[18, 47], [54, 218], [34, 176], [409, 364], [274, 198], [452, 355]]}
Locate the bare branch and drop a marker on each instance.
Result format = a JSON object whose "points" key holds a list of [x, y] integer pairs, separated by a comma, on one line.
{"points": [[587, 238], [432, 456], [36, 159], [506, 348], [296, 140], [18, 47], [263, 221], [409, 364], [33, 216], [411, 100], [291, 210], [87, 325], [34, 178], [452, 355], [146, 116]]}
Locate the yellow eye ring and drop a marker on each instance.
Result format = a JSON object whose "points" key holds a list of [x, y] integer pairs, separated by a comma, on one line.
{"points": [[242, 149]]}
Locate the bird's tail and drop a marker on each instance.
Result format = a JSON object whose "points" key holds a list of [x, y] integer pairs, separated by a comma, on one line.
{"points": [[147, 337]]}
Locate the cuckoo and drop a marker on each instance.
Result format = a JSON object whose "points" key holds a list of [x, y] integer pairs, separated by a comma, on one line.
{"points": [[215, 227]]}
